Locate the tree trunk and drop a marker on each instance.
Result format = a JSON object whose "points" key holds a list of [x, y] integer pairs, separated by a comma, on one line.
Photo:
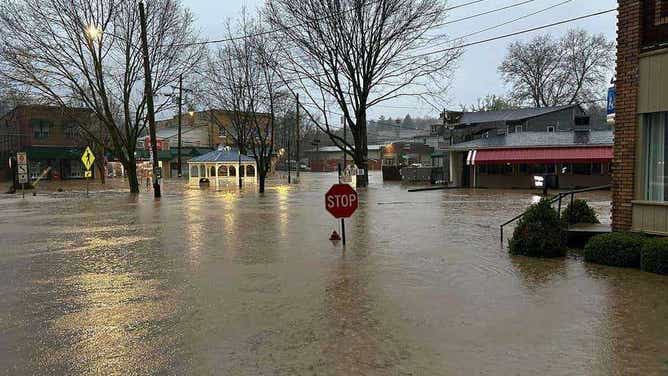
{"points": [[131, 170], [100, 168], [362, 151], [263, 177]]}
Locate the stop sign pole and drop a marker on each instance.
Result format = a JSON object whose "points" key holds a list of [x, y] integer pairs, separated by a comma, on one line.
{"points": [[341, 201]]}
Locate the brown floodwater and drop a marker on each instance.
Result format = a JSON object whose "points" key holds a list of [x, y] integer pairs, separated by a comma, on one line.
{"points": [[230, 283]]}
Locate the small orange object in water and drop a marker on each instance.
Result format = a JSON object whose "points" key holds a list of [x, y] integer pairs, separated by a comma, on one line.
{"points": [[335, 236]]}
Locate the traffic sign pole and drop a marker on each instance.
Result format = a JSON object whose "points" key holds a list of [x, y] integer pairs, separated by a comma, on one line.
{"points": [[341, 201], [343, 222]]}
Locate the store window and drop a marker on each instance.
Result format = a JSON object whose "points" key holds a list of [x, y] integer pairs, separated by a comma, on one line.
{"points": [[496, 169], [656, 154], [582, 168]]}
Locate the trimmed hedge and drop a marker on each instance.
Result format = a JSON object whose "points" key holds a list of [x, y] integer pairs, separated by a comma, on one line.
{"points": [[579, 212], [615, 249], [654, 256], [538, 233]]}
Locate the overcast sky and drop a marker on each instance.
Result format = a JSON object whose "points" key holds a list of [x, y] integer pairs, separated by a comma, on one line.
{"points": [[477, 73]]}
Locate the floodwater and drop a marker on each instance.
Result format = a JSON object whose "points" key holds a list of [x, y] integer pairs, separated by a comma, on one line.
{"points": [[223, 283]]}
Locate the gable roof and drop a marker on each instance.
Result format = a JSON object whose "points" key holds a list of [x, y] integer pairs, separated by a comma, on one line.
{"points": [[539, 139], [508, 115], [224, 155]]}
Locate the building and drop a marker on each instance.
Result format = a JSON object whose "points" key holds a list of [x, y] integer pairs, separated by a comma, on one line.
{"points": [[49, 135], [401, 154], [577, 159], [640, 171], [327, 158], [201, 132]]}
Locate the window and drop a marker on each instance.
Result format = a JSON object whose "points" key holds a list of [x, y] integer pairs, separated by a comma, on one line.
{"points": [[212, 171], [518, 128], [233, 171], [193, 171], [69, 131], [241, 171], [250, 171], [596, 169], [41, 129], [550, 128], [582, 168], [655, 160], [496, 169], [202, 171]]}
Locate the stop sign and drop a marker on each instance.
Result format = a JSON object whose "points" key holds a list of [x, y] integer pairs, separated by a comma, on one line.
{"points": [[341, 200]]}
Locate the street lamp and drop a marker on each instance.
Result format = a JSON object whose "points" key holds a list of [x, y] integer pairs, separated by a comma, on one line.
{"points": [[93, 31]]}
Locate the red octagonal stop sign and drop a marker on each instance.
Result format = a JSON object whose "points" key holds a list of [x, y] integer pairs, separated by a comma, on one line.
{"points": [[341, 200]]}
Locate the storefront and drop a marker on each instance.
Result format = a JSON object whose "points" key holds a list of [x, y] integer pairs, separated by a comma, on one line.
{"points": [[64, 162], [513, 161]]}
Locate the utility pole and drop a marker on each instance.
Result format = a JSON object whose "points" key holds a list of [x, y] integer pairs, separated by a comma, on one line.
{"points": [[180, 104], [148, 93], [297, 141], [289, 156], [345, 143]]}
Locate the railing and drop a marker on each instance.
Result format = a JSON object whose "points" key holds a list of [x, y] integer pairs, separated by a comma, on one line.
{"points": [[558, 199]]}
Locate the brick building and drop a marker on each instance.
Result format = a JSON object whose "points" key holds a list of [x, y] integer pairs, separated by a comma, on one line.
{"points": [[49, 135], [640, 168]]}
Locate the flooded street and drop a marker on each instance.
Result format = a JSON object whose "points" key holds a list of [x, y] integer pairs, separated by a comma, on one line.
{"points": [[206, 282]]}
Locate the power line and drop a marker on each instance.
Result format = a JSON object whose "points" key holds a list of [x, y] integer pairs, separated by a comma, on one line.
{"points": [[517, 33], [483, 13], [503, 23]]}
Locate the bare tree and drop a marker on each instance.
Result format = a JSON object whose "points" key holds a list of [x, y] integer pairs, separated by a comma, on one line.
{"points": [[347, 56], [490, 102], [242, 79], [548, 72], [85, 52]]}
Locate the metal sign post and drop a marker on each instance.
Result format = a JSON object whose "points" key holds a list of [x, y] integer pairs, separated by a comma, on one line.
{"points": [[22, 165], [341, 201], [88, 158]]}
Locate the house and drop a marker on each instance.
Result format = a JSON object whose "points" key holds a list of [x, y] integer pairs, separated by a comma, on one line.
{"points": [[50, 136], [576, 158], [640, 184]]}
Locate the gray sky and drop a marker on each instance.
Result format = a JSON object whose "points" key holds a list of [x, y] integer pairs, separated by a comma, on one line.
{"points": [[477, 74]]}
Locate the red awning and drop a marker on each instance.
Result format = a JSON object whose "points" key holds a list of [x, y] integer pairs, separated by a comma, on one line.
{"points": [[597, 154]]}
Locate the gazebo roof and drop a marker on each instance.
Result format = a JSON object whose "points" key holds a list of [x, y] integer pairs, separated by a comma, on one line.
{"points": [[223, 155]]}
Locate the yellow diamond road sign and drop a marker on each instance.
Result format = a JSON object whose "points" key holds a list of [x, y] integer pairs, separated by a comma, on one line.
{"points": [[88, 158]]}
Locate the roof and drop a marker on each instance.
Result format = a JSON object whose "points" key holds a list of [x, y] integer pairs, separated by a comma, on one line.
{"points": [[508, 115], [334, 149], [544, 155], [224, 155], [539, 139]]}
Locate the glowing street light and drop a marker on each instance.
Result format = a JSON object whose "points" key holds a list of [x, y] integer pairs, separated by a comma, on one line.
{"points": [[93, 32]]}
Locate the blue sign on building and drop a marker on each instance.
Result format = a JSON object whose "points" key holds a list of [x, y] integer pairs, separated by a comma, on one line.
{"points": [[612, 95]]}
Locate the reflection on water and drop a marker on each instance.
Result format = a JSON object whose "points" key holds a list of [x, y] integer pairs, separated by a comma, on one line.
{"points": [[232, 283]]}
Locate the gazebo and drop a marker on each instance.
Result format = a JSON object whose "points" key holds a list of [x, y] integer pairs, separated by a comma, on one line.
{"points": [[225, 166]]}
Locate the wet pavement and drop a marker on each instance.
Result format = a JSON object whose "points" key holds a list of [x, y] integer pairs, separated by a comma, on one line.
{"points": [[224, 283]]}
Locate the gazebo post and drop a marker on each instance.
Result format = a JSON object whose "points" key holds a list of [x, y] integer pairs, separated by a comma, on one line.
{"points": [[217, 172]]}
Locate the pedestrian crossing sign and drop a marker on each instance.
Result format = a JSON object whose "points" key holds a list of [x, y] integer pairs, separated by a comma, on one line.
{"points": [[88, 158]]}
